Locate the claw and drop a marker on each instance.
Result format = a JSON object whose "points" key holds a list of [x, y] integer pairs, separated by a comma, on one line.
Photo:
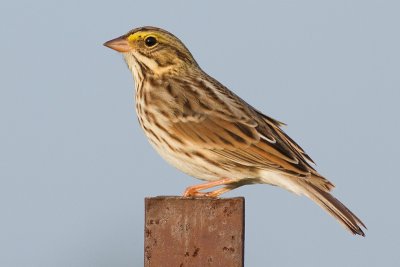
{"points": [[191, 192]]}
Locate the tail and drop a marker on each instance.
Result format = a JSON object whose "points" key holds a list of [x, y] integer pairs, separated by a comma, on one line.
{"points": [[334, 207]]}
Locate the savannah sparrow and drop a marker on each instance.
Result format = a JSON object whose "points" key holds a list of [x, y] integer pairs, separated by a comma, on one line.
{"points": [[205, 130]]}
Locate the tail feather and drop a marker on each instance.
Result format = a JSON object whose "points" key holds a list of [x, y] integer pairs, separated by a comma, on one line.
{"points": [[335, 208]]}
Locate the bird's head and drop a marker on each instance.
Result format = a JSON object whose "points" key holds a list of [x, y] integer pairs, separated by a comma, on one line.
{"points": [[152, 50]]}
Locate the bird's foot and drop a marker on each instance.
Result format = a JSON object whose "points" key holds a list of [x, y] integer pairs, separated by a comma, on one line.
{"points": [[194, 191]]}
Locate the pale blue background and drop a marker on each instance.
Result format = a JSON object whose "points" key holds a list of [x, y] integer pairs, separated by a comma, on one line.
{"points": [[75, 166]]}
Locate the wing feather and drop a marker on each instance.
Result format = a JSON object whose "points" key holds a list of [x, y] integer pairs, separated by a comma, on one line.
{"points": [[231, 128]]}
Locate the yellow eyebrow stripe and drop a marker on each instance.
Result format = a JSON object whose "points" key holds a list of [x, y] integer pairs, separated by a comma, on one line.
{"points": [[135, 36]]}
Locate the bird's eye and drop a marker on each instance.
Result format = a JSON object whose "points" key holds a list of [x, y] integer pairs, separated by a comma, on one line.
{"points": [[150, 41]]}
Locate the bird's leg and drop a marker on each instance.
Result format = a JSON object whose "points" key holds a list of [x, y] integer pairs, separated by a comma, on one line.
{"points": [[220, 191], [193, 191]]}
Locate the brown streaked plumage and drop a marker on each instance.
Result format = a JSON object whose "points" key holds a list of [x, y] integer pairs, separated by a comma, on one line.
{"points": [[205, 130]]}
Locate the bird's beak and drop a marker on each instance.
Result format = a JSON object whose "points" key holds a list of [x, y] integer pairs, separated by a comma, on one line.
{"points": [[119, 44]]}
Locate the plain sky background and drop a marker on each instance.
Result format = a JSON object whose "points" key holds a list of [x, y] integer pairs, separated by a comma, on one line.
{"points": [[75, 165]]}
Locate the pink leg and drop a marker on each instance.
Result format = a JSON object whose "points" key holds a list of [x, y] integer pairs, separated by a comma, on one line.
{"points": [[220, 191], [193, 191]]}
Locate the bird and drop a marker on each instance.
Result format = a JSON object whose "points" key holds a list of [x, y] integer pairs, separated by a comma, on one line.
{"points": [[207, 131]]}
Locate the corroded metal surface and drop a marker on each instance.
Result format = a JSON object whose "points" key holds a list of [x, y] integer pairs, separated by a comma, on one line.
{"points": [[190, 232]]}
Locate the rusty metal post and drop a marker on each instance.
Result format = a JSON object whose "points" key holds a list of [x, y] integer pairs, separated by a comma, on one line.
{"points": [[190, 232]]}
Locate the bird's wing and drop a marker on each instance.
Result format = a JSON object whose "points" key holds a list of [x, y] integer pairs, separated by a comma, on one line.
{"points": [[215, 118]]}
